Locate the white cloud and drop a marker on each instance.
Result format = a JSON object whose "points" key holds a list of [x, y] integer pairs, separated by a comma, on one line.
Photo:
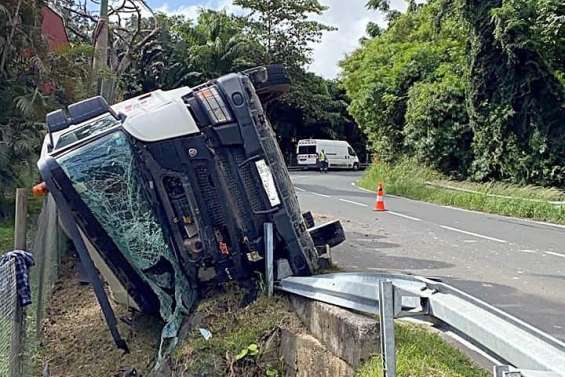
{"points": [[351, 18], [192, 11]]}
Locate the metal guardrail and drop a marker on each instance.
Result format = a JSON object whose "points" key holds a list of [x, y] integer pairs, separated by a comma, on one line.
{"points": [[522, 349]]}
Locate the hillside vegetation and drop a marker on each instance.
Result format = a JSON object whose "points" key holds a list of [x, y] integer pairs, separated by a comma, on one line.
{"points": [[472, 88]]}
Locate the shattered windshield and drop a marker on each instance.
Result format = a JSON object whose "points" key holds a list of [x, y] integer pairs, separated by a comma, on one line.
{"points": [[108, 179], [90, 129]]}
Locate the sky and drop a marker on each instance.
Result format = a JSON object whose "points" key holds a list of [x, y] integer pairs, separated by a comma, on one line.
{"points": [[349, 16]]}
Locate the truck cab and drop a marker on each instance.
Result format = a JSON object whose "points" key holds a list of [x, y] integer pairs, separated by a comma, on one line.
{"points": [[170, 190]]}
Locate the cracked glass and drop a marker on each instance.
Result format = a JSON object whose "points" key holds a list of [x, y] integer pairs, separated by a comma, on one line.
{"points": [[108, 179]]}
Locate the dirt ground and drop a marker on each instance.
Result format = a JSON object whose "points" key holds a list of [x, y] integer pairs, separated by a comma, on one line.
{"points": [[76, 341]]}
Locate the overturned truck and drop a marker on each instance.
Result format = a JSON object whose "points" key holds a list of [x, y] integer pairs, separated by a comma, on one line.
{"points": [[167, 192]]}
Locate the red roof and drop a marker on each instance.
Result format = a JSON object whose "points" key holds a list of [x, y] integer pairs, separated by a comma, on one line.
{"points": [[53, 29]]}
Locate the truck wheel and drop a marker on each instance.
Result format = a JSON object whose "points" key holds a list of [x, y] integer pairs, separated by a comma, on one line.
{"points": [[356, 166], [276, 83]]}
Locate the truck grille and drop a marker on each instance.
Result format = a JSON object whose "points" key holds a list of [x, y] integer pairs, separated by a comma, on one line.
{"points": [[210, 195]]}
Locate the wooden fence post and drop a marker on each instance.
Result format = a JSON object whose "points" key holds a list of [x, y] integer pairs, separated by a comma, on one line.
{"points": [[18, 333]]}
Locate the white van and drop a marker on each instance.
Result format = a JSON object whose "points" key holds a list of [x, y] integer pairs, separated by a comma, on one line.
{"points": [[338, 152]]}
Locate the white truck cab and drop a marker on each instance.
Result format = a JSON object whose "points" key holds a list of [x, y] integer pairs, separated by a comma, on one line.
{"points": [[338, 152]]}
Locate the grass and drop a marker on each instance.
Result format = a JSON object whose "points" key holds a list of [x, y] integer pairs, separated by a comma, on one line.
{"points": [[234, 329], [7, 225], [75, 338], [419, 352], [6, 236], [423, 354], [410, 180]]}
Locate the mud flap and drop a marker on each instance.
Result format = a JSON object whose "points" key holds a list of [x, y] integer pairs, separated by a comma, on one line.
{"points": [[331, 234]]}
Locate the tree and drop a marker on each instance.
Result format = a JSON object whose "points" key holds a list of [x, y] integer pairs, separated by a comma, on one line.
{"points": [[516, 101], [492, 108], [220, 45], [130, 33], [284, 28], [379, 78], [382, 5]]}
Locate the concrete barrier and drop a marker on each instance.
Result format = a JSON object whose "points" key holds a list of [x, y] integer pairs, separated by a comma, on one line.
{"points": [[350, 336], [305, 356]]}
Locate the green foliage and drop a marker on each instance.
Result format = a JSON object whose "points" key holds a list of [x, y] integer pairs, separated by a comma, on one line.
{"points": [[33, 81], [472, 88], [250, 350], [437, 132], [6, 236], [314, 108], [410, 179], [516, 102], [421, 353], [284, 28], [244, 340], [379, 78]]}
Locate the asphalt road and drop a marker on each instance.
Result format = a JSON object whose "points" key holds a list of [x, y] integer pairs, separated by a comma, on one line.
{"points": [[515, 265]]}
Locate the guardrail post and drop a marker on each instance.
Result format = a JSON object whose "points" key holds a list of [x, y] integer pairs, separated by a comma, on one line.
{"points": [[18, 332], [386, 314], [269, 275]]}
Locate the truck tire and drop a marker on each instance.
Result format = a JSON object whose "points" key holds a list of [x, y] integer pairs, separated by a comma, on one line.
{"points": [[276, 84]]}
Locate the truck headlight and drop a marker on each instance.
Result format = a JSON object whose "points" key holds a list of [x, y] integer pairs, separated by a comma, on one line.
{"points": [[214, 105]]}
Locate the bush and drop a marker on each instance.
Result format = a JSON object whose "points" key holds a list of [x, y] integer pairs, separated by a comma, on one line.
{"points": [[437, 132]]}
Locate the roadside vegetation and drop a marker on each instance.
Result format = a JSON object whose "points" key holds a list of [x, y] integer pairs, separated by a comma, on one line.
{"points": [[474, 90], [75, 338], [6, 236], [243, 341], [407, 178], [421, 353], [7, 223]]}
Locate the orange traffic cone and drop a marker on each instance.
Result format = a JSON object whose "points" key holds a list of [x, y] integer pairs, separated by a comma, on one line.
{"points": [[380, 204]]}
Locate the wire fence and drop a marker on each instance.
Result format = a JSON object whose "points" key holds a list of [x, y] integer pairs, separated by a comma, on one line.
{"points": [[8, 298], [47, 243]]}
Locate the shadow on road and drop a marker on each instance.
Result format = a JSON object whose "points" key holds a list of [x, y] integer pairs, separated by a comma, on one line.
{"points": [[367, 251]]}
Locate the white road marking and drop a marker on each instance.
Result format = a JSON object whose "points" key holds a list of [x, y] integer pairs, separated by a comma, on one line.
{"points": [[555, 254], [405, 216], [322, 195], [374, 269], [366, 240], [362, 188], [352, 202], [299, 189], [528, 251], [473, 234]]}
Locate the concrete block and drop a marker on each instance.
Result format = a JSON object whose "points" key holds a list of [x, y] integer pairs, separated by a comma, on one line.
{"points": [[350, 336], [305, 356]]}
